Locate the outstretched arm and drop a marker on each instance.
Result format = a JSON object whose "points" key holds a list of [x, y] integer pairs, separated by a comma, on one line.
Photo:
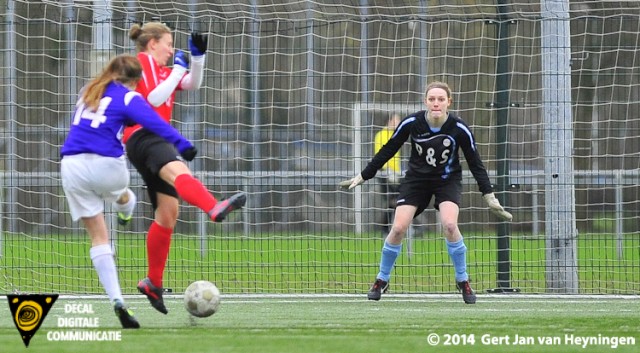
{"points": [[380, 159], [480, 174], [352, 183], [138, 110]]}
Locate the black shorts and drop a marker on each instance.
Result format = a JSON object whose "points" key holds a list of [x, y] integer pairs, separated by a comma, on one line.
{"points": [[418, 192], [148, 153]]}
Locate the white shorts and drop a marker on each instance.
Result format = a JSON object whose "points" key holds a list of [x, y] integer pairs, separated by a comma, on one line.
{"points": [[89, 180]]}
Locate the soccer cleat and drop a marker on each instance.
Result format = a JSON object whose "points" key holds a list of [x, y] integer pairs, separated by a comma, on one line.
{"points": [[376, 290], [123, 220], [153, 293], [125, 315], [224, 207], [468, 294]]}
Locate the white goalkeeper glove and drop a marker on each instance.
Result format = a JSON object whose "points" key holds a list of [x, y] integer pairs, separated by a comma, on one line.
{"points": [[496, 208], [352, 183]]}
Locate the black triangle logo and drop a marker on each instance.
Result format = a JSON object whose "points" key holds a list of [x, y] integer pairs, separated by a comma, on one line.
{"points": [[28, 312]]}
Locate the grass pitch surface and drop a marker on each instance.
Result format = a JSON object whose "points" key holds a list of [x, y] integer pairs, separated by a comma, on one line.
{"points": [[351, 324], [330, 263]]}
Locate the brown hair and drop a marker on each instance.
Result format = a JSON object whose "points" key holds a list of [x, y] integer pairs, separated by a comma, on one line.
{"points": [[123, 68], [438, 84], [142, 35]]}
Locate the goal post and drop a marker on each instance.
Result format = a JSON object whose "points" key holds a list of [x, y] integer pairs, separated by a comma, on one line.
{"points": [[561, 232], [292, 95]]}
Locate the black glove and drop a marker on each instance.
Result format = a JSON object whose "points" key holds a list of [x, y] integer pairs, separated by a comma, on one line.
{"points": [[189, 154], [197, 44]]}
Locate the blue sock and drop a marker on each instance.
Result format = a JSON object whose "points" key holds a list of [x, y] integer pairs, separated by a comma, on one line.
{"points": [[458, 254], [390, 253]]}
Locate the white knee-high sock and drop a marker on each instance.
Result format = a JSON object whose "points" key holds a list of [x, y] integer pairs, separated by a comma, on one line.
{"points": [[102, 258]]}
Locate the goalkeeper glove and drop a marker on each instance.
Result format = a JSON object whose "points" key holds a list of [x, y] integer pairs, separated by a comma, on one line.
{"points": [[181, 59], [198, 44], [496, 208], [352, 183]]}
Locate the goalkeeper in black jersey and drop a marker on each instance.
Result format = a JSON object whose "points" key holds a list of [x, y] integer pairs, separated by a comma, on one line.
{"points": [[436, 137]]}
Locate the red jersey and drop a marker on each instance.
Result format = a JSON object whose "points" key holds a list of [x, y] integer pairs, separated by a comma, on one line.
{"points": [[152, 75]]}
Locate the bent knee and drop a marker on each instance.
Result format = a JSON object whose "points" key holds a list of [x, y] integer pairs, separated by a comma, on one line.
{"points": [[450, 228], [167, 216]]}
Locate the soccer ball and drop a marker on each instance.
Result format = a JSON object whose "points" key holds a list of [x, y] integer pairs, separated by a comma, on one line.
{"points": [[202, 298]]}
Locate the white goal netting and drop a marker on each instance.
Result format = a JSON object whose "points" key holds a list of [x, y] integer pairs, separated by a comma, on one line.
{"points": [[293, 94]]}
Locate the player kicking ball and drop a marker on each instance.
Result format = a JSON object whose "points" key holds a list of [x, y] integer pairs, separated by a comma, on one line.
{"points": [[93, 166]]}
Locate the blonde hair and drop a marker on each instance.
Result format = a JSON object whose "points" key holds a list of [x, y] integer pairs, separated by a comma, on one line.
{"points": [[438, 84], [124, 68], [142, 35]]}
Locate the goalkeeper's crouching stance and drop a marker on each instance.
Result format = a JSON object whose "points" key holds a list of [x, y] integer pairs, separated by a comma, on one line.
{"points": [[436, 137]]}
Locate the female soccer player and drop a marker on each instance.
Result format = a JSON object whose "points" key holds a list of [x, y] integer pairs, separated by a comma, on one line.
{"points": [[93, 167], [434, 170], [166, 176]]}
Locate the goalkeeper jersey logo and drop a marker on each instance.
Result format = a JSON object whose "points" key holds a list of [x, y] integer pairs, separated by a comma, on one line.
{"points": [[28, 312]]}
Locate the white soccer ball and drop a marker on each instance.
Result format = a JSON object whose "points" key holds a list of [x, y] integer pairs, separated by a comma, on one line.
{"points": [[202, 298]]}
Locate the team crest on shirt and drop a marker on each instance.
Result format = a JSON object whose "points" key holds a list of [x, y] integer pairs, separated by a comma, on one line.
{"points": [[446, 142]]}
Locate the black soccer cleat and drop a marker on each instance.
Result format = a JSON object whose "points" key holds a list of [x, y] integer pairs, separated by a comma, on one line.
{"points": [[153, 293], [468, 294], [125, 315], [376, 290], [224, 207]]}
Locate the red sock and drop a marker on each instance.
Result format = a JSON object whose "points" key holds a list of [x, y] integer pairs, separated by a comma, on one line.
{"points": [[158, 244], [193, 192]]}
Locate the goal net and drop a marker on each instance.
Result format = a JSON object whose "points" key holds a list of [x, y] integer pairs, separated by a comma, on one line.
{"points": [[293, 94]]}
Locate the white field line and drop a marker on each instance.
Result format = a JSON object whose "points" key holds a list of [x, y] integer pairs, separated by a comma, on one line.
{"points": [[510, 298]]}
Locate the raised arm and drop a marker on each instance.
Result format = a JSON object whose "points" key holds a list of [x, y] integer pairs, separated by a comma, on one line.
{"points": [[198, 47], [164, 90], [139, 111]]}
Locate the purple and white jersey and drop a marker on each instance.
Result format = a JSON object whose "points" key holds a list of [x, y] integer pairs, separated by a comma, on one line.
{"points": [[100, 131]]}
